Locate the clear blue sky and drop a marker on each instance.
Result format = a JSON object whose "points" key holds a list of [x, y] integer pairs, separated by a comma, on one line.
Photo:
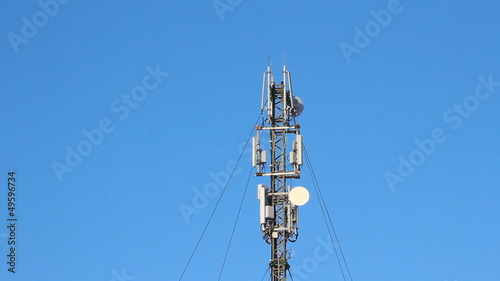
{"points": [[413, 88]]}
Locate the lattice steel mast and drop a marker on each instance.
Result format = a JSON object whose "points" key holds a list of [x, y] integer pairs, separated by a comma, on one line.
{"points": [[278, 202]]}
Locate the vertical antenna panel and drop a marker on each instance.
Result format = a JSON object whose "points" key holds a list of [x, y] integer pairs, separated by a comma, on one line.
{"points": [[255, 147], [261, 195], [299, 149]]}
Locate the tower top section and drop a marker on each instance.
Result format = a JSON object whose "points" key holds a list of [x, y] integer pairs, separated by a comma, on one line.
{"points": [[290, 105]]}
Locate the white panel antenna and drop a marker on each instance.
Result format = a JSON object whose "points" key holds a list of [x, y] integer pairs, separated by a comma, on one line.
{"points": [[296, 153], [259, 156]]}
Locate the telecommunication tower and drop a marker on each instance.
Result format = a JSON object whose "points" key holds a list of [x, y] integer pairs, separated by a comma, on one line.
{"points": [[279, 212]]}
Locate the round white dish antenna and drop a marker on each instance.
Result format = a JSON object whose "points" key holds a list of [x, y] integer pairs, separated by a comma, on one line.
{"points": [[298, 196]]}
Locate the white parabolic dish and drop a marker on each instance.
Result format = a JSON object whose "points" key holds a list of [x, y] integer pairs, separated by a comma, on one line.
{"points": [[298, 196]]}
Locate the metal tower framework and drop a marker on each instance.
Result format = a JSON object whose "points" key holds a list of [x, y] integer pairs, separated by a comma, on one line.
{"points": [[278, 215]]}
